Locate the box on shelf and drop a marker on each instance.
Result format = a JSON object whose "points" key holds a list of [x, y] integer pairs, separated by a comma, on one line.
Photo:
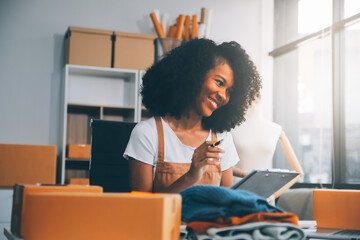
{"points": [[79, 181], [88, 46], [133, 50], [102, 216], [79, 151], [27, 164]]}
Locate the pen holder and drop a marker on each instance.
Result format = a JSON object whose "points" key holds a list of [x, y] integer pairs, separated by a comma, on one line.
{"points": [[164, 45]]}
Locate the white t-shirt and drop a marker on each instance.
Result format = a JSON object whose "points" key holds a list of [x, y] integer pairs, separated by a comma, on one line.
{"points": [[143, 146]]}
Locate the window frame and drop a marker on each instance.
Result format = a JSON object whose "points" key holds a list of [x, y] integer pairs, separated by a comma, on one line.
{"points": [[336, 30]]}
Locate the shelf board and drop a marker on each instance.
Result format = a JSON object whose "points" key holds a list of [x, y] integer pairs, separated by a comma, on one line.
{"points": [[99, 106], [101, 71]]}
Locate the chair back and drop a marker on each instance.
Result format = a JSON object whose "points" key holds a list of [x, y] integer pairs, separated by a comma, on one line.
{"points": [[108, 168]]}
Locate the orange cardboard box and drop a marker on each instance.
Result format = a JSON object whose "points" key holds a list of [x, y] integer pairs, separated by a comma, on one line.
{"points": [[133, 50], [21, 193], [80, 151], [337, 208], [88, 46], [102, 216], [79, 181], [27, 164]]}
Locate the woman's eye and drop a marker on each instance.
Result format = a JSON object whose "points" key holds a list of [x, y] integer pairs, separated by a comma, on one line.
{"points": [[219, 82], [229, 91]]}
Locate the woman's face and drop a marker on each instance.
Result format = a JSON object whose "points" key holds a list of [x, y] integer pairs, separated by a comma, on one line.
{"points": [[216, 89]]}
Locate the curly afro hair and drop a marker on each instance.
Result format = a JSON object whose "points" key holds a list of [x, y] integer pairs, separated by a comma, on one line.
{"points": [[171, 86]]}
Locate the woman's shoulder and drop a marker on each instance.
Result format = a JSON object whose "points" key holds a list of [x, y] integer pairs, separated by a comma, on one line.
{"points": [[145, 127], [224, 135]]}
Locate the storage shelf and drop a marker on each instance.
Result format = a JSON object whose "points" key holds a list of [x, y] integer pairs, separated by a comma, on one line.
{"points": [[95, 93]]}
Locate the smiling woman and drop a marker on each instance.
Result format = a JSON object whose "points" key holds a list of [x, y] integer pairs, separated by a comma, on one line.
{"points": [[197, 93]]}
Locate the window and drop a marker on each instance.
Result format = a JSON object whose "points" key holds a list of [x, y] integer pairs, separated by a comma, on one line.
{"points": [[317, 85]]}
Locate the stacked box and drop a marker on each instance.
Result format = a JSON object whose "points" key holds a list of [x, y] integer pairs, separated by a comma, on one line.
{"points": [[133, 50], [27, 164], [21, 193], [102, 216], [88, 46], [79, 151]]}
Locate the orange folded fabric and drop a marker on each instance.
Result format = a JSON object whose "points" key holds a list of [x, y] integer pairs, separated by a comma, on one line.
{"points": [[254, 217]]}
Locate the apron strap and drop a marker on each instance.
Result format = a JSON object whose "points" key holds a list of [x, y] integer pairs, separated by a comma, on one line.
{"points": [[160, 133]]}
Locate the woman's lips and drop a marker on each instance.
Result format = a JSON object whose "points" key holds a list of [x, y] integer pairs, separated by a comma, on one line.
{"points": [[213, 103]]}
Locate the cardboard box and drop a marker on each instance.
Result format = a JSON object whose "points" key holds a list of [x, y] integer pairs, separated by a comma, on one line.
{"points": [[79, 181], [88, 46], [102, 216], [21, 193], [27, 164], [337, 208], [133, 50], [79, 151]]}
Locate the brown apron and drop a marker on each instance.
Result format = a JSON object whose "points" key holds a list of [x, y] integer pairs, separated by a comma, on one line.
{"points": [[168, 172]]}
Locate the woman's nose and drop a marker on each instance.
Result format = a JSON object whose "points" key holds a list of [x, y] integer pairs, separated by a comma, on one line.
{"points": [[222, 96]]}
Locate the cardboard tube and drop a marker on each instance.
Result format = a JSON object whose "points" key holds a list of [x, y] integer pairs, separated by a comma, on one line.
{"points": [[164, 22], [208, 17], [179, 26], [171, 32], [158, 28], [187, 27], [195, 28], [202, 15]]}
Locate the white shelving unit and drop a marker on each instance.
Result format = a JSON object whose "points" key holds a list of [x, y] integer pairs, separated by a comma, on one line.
{"points": [[100, 93]]}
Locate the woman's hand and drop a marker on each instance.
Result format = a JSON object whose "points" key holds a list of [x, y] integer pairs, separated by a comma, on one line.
{"points": [[204, 156]]}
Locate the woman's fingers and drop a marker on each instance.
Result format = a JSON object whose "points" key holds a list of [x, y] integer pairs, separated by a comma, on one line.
{"points": [[212, 155], [211, 161], [207, 154]]}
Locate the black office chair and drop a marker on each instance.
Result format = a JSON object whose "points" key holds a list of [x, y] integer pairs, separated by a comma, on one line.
{"points": [[108, 168]]}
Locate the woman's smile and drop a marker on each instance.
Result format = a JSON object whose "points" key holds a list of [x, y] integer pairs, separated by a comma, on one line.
{"points": [[213, 103]]}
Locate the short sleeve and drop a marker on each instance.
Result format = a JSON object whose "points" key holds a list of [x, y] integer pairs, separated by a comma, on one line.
{"points": [[230, 157], [142, 144]]}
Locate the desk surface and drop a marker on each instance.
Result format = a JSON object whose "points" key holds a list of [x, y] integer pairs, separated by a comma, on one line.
{"points": [[10, 236]]}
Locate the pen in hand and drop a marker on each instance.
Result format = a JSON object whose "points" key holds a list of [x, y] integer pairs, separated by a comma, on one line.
{"points": [[217, 143]]}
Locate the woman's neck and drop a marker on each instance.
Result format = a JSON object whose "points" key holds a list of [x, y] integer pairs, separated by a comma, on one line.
{"points": [[190, 121]]}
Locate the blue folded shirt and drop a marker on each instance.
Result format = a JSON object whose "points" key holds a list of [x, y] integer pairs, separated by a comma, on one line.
{"points": [[206, 203]]}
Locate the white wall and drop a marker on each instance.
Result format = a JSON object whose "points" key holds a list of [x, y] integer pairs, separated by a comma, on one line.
{"points": [[32, 50]]}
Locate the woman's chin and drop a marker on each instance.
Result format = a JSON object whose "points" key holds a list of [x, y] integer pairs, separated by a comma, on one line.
{"points": [[208, 113]]}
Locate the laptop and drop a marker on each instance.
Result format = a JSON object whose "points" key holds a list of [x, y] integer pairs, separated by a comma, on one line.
{"points": [[337, 213], [333, 233]]}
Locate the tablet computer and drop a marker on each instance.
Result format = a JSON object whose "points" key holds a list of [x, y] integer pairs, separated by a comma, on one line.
{"points": [[266, 183]]}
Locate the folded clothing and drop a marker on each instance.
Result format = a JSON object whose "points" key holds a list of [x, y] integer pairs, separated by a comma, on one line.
{"points": [[251, 231], [206, 203], [222, 222]]}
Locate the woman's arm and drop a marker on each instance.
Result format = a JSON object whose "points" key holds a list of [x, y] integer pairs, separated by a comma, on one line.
{"points": [[227, 178], [237, 172], [141, 176]]}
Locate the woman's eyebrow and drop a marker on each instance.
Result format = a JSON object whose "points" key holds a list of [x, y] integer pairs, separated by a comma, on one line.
{"points": [[221, 78]]}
